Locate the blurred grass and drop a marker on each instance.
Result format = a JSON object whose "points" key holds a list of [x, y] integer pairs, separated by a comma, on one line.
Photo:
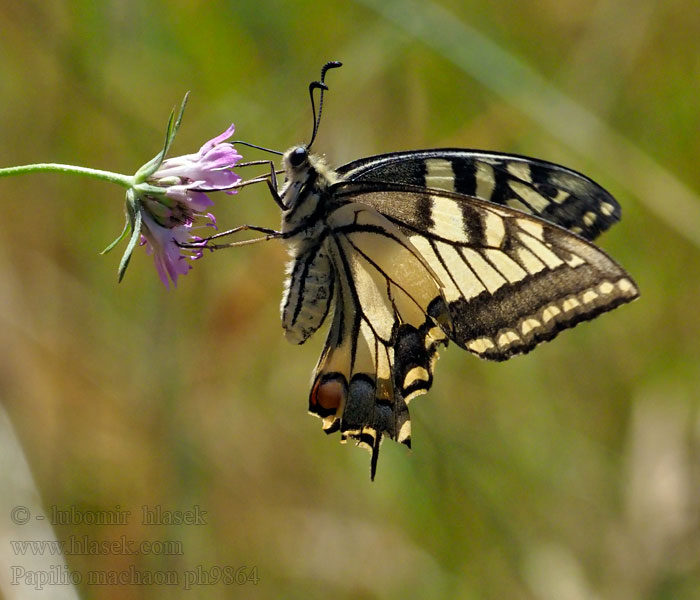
{"points": [[569, 473]]}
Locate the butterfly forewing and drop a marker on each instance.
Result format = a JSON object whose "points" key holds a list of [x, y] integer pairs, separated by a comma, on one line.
{"points": [[510, 280], [544, 189]]}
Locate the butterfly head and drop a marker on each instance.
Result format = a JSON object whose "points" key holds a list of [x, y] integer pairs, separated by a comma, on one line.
{"points": [[307, 177], [296, 159]]}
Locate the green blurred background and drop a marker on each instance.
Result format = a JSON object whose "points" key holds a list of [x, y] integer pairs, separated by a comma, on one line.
{"points": [[570, 473]]}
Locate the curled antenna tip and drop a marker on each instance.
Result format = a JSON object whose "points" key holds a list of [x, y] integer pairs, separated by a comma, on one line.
{"points": [[315, 85], [333, 64]]}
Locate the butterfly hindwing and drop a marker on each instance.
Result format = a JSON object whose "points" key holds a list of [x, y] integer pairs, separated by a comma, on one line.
{"points": [[386, 329], [552, 192]]}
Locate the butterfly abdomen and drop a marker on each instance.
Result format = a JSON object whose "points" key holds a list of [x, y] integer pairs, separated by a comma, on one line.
{"points": [[308, 293]]}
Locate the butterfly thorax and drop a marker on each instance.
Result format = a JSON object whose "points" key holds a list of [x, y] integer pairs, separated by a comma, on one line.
{"points": [[306, 198]]}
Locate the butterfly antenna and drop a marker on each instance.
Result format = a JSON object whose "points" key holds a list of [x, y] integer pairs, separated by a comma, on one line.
{"points": [[323, 87]]}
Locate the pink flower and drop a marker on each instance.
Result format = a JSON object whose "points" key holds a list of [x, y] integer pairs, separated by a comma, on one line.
{"points": [[174, 199], [167, 198], [207, 170]]}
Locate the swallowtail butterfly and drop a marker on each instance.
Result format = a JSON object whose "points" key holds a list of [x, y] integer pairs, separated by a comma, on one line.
{"points": [[406, 251]]}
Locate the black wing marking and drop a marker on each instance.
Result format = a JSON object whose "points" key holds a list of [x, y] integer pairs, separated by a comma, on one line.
{"points": [[547, 190], [510, 280]]}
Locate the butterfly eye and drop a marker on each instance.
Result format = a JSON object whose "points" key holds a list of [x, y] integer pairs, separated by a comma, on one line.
{"points": [[298, 156]]}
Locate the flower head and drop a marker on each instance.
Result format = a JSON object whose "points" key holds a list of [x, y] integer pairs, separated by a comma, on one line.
{"points": [[169, 198], [175, 200]]}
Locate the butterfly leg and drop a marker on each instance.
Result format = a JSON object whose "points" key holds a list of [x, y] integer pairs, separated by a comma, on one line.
{"points": [[271, 179], [205, 242], [272, 184]]}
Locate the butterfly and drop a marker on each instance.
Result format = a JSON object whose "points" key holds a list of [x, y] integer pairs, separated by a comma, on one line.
{"points": [[404, 252]]}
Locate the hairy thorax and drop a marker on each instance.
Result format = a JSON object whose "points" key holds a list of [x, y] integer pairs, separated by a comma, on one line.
{"points": [[305, 194]]}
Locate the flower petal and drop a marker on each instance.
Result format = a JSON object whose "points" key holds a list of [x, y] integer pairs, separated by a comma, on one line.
{"points": [[214, 141], [163, 243]]}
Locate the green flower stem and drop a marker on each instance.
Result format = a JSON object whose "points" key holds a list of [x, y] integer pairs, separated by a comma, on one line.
{"points": [[126, 181]]}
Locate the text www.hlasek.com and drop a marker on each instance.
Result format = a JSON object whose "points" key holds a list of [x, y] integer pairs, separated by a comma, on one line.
{"points": [[85, 546]]}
